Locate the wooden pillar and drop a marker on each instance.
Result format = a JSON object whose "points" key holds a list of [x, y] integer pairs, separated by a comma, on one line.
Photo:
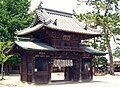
{"points": [[80, 76], [50, 69], [91, 69], [21, 70], [23, 73], [33, 69]]}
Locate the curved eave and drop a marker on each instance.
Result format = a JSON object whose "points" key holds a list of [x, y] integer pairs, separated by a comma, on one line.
{"points": [[94, 51], [29, 30], [39, 26]]}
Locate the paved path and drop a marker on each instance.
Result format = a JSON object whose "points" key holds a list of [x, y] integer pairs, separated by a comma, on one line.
{"points": [[98, 81]]}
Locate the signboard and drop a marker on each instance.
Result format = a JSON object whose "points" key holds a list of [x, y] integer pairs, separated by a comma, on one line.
{"points": [[62, 63]]}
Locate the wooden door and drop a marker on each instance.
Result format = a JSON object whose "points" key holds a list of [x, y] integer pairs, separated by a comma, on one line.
{"points": [[86, 69], [68, 73], [41, 70]]}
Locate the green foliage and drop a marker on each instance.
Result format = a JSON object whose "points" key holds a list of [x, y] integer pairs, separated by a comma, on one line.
{"points": [[14, 60], [106, 15], [100, 61], [117, 53], [4, 46], [4, 58], [13, 16]]}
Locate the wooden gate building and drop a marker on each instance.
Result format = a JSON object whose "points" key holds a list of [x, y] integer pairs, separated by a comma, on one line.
{"points": [[50, 49]]}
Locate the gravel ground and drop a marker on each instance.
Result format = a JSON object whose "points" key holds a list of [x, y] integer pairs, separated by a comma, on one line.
{"points": [[98, 81]]}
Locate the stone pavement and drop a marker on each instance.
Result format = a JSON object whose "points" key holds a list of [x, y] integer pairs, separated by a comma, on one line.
{"points": [[98, 81]]}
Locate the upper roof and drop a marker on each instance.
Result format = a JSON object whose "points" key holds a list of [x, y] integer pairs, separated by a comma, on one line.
{"points": [[57, 20]]}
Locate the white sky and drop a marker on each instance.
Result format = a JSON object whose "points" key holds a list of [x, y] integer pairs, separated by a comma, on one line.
{"points": [[62, 5]]}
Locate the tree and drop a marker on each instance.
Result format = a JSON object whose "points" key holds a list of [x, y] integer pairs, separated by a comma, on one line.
{"points": [[106, 15], [117, 52], [4, 46], [12, 63], [13, 16], [100, 61]]}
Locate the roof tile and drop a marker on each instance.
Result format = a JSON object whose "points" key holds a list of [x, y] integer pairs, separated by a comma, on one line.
{"points": [[65, 22]]}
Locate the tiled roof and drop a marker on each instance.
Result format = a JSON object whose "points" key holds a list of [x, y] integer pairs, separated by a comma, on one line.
{"points": [[94, 51], [34, 45], [91, 50], [64, 22]]}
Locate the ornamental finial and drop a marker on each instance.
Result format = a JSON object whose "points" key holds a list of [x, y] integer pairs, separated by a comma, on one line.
{"points": [[40, 5]]}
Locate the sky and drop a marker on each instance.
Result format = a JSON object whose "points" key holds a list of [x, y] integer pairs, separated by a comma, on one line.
{"points": [[62, 5]]}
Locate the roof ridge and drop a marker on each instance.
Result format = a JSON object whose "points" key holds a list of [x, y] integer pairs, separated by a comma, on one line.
{"points": [[51, 11]]}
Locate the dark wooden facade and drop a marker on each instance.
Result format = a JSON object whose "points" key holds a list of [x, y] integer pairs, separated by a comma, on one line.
{"points": [[68, 60], [80, 71]]}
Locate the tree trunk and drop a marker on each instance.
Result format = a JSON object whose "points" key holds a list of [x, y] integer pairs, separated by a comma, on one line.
{"points": [[111, 60], [2, 71], [110, 54]]}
